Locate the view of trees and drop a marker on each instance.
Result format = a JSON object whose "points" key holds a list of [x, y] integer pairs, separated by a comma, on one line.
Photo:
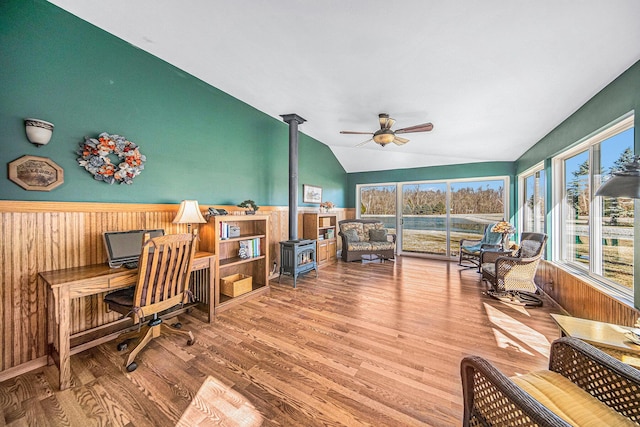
{"points": [[479, 200], [424, 200], [379, 200], [578, 191], [419, 201]]}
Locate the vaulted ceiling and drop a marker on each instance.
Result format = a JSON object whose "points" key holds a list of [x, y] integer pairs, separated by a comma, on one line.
{"points": [[493, 76]]}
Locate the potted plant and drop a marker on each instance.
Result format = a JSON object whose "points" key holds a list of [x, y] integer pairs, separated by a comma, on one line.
{"points": [[250, 205], [327, 206]]}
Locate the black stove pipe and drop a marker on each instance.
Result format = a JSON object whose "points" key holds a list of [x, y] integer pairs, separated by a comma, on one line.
{"points": [[293, 120]]}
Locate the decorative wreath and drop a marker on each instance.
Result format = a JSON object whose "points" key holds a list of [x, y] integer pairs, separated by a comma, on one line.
{"points": [[95, 158]]}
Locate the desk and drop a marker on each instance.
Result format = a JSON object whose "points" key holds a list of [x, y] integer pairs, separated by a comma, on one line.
{"points": [[64, 285], [606, 336]]}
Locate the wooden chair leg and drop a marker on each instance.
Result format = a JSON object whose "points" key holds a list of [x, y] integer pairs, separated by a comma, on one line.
{"points": [[152, 332], [166, 328], [136, 333]]}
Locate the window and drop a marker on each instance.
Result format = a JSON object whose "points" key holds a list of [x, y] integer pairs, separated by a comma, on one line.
{"points": [[432, 216], [378, 202], [474, 204], [424, 218], [532, 196], [597, 233]]}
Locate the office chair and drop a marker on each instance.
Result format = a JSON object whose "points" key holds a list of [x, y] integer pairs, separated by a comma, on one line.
{"points": [[164, 270]]}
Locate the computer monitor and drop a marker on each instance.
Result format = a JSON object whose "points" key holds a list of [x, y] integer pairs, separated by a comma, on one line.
{"points": [[125, 246]]}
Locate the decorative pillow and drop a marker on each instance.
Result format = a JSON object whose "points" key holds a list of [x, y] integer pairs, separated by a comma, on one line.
{"points": [[352, 235], [378, 235], [529, 248]]}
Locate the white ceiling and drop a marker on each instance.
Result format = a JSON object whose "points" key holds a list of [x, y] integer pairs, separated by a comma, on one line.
{"points": [[493, 76]]}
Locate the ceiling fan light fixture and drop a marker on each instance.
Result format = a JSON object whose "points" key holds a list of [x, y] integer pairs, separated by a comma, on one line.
{"points": [[383, 137]]}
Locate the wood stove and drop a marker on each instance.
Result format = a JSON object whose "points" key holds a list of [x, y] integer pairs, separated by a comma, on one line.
{"points": [[297, 257]]}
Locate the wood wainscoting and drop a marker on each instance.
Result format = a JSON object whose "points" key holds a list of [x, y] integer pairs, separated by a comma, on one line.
{"points": [[580, 299], [44, 236]]}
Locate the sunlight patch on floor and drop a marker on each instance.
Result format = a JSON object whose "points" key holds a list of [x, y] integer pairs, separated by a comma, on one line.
{"points": [[504, 341], [507, 326]]}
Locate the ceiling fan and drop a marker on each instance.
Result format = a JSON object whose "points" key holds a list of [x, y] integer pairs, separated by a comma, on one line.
{"points": [[385, 135]]}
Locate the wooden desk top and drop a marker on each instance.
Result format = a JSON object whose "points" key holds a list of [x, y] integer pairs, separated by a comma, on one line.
{"points": [[599, 334], [92, 273]]}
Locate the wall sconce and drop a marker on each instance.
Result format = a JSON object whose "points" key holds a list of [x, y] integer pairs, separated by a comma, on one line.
{"points": [[189, 213], [38, 131]]}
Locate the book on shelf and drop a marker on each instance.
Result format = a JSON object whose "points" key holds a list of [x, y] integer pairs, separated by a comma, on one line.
{"points": [[249, 248], [228, 231]]}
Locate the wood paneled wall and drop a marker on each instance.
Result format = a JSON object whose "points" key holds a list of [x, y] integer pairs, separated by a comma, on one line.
{"points": [[580, 299], [43, 236]]}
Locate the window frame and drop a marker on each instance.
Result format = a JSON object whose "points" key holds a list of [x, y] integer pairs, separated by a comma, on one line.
{"points": [[557, 211], [506, 200], [522, 178]]}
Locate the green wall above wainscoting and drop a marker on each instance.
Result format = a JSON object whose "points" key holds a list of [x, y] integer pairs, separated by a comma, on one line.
{"points": [[200, 143]]}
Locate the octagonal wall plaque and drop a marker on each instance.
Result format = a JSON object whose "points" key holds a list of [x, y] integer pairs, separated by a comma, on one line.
{"points": [[35, 173]]}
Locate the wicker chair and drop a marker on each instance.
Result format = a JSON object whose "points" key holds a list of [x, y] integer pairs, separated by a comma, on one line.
{"points": [[492, 399], [470, 249], [512, 275]]}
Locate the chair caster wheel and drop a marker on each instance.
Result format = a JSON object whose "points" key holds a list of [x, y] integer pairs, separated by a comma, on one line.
{"points": [[132, 366], [122, 346], [191, 342], [177, 325]]}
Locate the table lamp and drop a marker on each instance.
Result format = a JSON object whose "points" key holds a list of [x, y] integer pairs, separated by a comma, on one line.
{"points": [[189, 213], [505, 228]]}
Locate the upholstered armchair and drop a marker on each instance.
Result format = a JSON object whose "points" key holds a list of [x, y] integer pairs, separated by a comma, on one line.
{"points": [[512, 275], [470, 249], [582, 386]]}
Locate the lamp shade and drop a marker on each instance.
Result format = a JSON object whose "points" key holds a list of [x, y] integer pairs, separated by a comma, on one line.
{"points": [[189, 213], [625, 183], [503, 227], [38, 131], [383, 137]]}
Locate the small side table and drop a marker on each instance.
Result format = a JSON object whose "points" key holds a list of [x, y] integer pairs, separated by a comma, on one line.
{"points": [[608, 337]]}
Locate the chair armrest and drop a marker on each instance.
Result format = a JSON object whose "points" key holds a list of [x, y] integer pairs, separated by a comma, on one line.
{"points": [[393, 237], [492, 256], [486, 246], [490, 398], [611, 381]]}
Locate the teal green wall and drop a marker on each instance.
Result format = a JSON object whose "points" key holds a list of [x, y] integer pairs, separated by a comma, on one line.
{"points": [[199, 142], [616, 99]]}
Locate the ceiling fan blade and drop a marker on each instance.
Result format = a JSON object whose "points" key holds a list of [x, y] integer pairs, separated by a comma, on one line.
{"points": [[399, 140], [349, 132], [364, 142], [425, 127]]}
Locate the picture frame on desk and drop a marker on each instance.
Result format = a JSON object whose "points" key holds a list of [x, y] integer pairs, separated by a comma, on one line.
{"points": [[311, 194]]}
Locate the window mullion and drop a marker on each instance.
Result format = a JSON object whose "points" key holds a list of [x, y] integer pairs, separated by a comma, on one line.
{"points": [[595, 214]]}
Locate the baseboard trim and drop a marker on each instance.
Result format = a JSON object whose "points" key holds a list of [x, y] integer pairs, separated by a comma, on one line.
{"points": [[23, 368]]}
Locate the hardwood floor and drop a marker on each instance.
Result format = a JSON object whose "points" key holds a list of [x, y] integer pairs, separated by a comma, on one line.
{"points": [[364, 344]]}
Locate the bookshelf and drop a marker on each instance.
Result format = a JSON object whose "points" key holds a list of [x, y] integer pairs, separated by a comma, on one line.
{"points": [[321, 227], [224, 235]]}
